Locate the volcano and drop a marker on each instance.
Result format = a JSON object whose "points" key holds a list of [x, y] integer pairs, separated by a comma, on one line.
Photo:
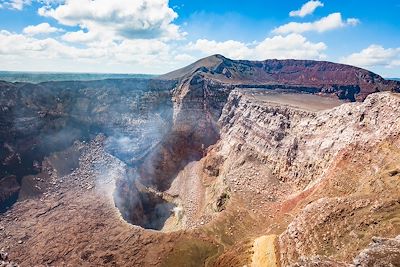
{"points": [[221, 163]]}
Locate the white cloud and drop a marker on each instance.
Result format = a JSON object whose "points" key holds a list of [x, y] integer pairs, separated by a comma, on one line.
{"points": [[294, 46], [140, 36], [330, 22], [352, 21], [51, 2], [15, 4], [184, 58], [20, 4], [81, 37], [20, 45], [118, 19], [374, 56], [42, 28], [19, 51], [232, 49], [306, 9], [115, 36]]}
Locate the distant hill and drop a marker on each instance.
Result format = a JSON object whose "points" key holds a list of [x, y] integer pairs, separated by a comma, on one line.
{"points": [[38, 77], [306, 75]]}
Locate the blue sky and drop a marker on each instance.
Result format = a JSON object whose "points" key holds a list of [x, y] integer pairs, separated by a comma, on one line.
{"points": [[156, 36]]}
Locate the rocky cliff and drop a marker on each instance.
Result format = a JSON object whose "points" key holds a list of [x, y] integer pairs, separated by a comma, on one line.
{"points": [[299, 145], [235, 162], [39, 119], [204, 86], [203, 89], [341, 160], [347, 82]]}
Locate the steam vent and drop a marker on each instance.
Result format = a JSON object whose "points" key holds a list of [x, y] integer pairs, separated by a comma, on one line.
{"points": [[221, 163]]}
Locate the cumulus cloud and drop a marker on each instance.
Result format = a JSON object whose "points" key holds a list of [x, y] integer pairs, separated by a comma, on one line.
{"points": [[12, 44], [42, 28], [330, 22], [294, 46], [141, 36], [51, 2], [17, 51], [184, 58], [119, 19], [306, 9], [373, 56], [230, 48], [120, 36], [81, 36]]}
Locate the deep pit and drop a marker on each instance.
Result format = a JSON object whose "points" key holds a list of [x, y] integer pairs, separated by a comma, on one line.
{"points": [[143, 206], [151, 212]]}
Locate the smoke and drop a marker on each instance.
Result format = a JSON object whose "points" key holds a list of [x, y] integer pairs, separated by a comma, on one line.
{"points": [[133, 144], [40, 119], [178, 212], [134, 115], [107, 175]]}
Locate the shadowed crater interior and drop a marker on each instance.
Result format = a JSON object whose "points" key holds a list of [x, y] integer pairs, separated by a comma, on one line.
{"points": [[142, 206]]}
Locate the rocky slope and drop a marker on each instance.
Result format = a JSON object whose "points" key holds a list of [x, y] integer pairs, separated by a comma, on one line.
{"points": [[298, 145], [204, 87], [234, 163], [347, 82], [321, 178], [38, 119]]}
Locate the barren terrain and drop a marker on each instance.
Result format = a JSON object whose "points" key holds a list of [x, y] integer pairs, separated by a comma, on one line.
{"points": [[199, 171]]}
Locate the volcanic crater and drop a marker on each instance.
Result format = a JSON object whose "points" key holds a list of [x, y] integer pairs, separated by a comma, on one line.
{"points": [[221, 163]]}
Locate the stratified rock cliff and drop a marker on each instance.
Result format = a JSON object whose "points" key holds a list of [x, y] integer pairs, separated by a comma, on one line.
{"points": [[270, 163], [203, 89], [331, 173], [204, 86], [298, 145]]}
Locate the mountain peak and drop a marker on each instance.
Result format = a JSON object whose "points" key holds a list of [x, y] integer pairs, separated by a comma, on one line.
{"points": [[209, 62], [311, 75]]}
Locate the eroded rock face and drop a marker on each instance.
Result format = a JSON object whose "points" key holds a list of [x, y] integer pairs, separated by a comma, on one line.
{"points": [[344, 81], [337, 172], [299, 145], [380, 252], [50, 116], [203, 90], [235, 165], [204, 87], [38, 119]]}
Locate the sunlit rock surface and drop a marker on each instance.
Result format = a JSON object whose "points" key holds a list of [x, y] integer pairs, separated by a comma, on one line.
{"points": [[205, 166]]}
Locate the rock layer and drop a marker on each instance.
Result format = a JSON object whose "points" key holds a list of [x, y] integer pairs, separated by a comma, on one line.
{"points": [[347, 82], [341, 160], [225, 165]]}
